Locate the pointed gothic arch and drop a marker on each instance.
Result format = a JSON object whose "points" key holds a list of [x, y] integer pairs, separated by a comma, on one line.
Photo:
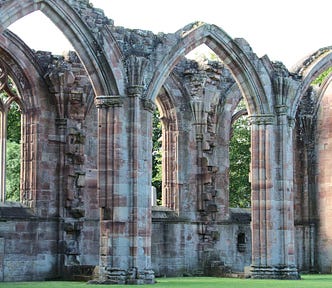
{"points": [[310, 68], [170, 129], [21, 68], [232, 55], [95, 54]]}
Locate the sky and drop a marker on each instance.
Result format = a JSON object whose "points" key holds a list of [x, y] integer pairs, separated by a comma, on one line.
{"points": [[285, 30]]}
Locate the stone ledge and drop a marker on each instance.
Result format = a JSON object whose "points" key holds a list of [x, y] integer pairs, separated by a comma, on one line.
{"points": [[164, 214], [13, 210]]}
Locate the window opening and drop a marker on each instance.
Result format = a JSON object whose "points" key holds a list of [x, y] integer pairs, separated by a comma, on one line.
{"points": [[156, 159], [10, 137], [13, 153], [239, 158], [203, 52], [241, 242]]}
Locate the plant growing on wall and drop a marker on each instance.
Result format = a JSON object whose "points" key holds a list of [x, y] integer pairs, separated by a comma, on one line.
{"points": [[319, 80]]}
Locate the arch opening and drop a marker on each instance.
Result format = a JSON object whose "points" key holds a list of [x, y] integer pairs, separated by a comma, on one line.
{"points": [[10, 140], [82, 35], [30, 30], [240, 158]]}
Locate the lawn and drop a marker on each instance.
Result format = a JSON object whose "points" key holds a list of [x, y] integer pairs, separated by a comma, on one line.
{"points": [[308, 281]]}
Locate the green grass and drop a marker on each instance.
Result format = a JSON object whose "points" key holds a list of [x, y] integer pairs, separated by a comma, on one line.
{"points": [[308, 281]]}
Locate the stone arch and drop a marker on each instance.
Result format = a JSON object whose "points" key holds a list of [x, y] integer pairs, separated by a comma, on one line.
{"points": [[169, 145], [21, 60], [320, 194], [311, 109], [95, 53], [232, 55], [173, 101], [310, 68], [323, 90], [26, 73], [224, 127], [168, 103]]}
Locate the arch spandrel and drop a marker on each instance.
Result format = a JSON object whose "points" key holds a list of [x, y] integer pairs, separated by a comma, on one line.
{"points": [[309, 69], [95, 52], [232, 55]]}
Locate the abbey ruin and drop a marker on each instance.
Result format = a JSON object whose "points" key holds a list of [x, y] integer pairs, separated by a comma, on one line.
{"points": [[86, 140]]}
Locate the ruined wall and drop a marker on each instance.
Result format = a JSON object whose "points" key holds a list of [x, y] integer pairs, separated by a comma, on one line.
{"points": [[186, 241], [87, 165], [75, 141], [183, 241], [177, 245], [305, 199], [324, 196], [29, 245], [60, 230]]}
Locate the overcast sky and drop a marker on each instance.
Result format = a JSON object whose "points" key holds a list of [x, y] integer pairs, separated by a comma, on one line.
{"points": [[285, 30]]}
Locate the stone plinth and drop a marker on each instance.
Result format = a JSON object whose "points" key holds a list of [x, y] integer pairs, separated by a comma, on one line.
{"points": [[282, 273], [111, 275]]}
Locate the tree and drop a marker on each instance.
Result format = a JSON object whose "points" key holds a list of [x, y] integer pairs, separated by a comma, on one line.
{"points": [[14, 123], [13, 166], [13, 161], [157, 154], [239, 156]]}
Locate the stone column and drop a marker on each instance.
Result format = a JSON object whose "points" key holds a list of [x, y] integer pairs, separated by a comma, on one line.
{"points": [[308, 203], [273, 229], [109, 159], [140, 167], [3, 132], [170, 191], [261, 186], [124, 186], [285, 196], [3, 141], [29, 160]]}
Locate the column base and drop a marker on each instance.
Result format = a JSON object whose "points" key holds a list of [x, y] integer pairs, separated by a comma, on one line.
{"points": [[276, 272], [111, 275]]}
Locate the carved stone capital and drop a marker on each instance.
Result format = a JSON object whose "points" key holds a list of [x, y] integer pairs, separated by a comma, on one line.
{"points": [[281, 109], [135, 90], [106, 101], [264, 119], [148, 105], [291, 122]]}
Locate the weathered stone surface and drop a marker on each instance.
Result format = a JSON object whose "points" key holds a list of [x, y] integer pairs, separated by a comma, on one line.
{"points": [[86, 155]]}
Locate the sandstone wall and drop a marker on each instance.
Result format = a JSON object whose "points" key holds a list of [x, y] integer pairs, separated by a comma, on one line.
{"points": [[324, 182]]}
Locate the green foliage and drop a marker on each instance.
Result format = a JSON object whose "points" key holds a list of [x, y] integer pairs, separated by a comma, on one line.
{"points": [[14, 124], [13, 161], [239, 156], [13, 171], [319, 80], [157, 154]]}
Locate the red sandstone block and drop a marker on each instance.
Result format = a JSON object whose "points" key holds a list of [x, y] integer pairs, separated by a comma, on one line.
{"points": [[21, 227]]}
